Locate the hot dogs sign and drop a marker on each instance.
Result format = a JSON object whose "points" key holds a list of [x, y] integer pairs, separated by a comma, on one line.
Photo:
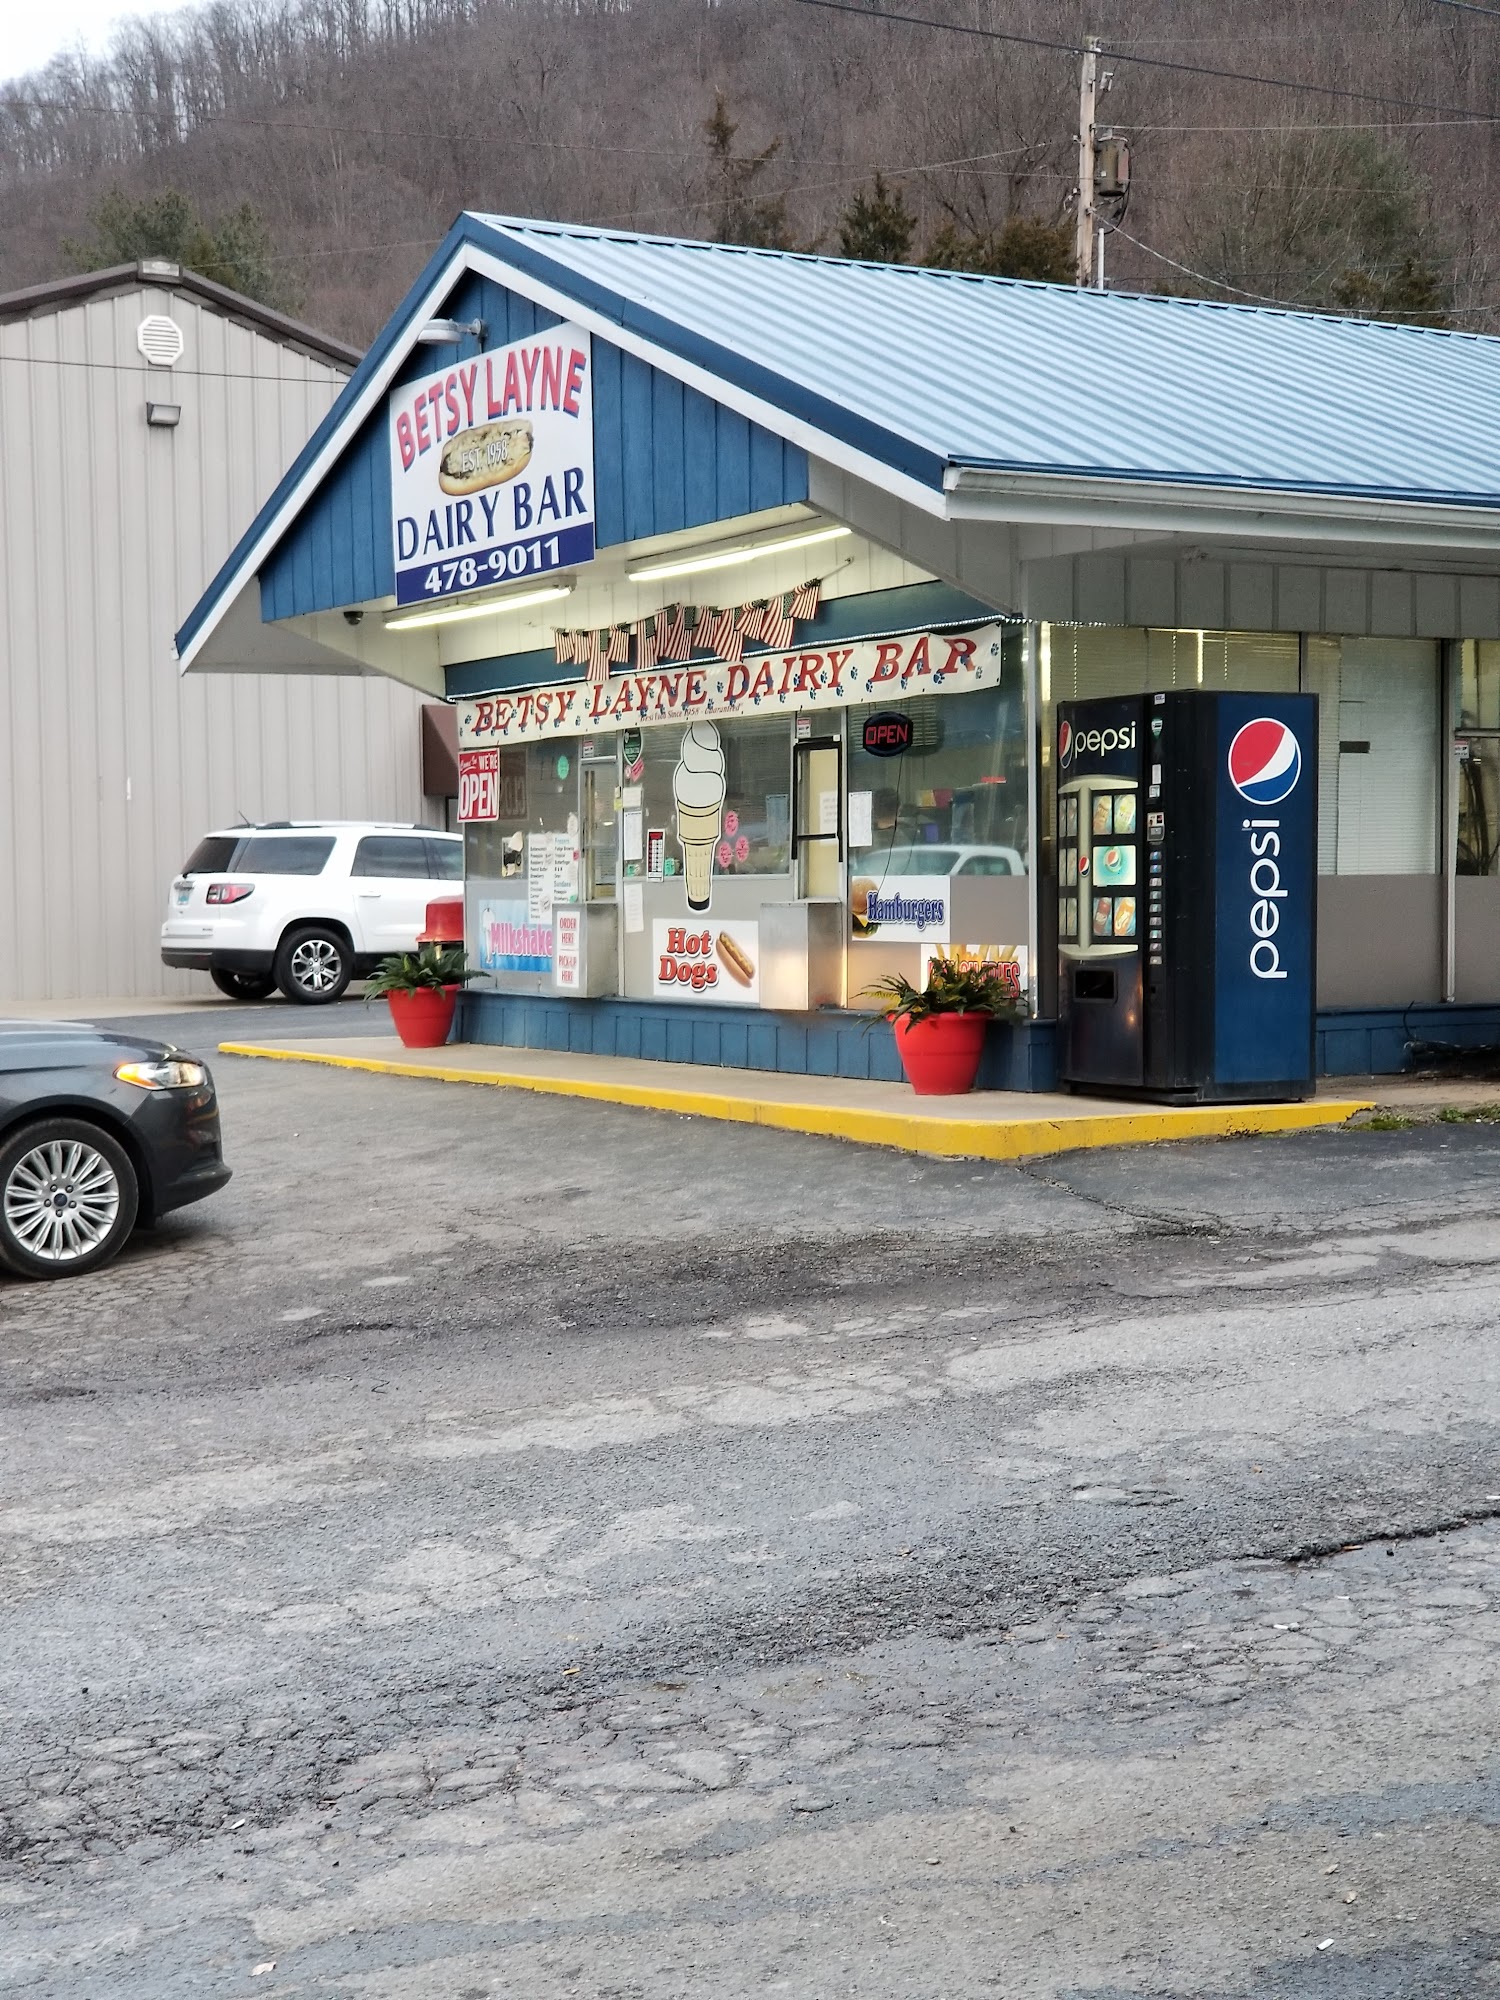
{"points": [[492, 467]]}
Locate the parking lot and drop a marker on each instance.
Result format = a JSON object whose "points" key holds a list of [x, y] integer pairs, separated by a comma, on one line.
{"points": [[510, 1546]]}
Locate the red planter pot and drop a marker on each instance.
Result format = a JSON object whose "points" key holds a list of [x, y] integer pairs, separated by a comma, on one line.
{"points": [[941, 1054], [424, 1018]]}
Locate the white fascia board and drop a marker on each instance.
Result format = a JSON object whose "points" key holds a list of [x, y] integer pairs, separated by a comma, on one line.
{"points": [[767, 415], [372, 393], [1030, 499]]}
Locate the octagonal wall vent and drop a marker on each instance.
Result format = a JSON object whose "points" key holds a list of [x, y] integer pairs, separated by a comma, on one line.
{"points": [[160, 340]]}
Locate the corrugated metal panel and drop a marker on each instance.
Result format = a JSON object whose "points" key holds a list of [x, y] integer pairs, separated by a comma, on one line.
{"points": [[988, 371], [665, 458], [113, 764]]}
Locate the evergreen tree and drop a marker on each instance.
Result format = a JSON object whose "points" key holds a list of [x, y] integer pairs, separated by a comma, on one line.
{"points": [[877, 227], [740, 215], [1024, 248], [237, 252]]}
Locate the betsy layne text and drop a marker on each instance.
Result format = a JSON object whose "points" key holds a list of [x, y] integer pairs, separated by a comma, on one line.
{"points": [[829, 677]]}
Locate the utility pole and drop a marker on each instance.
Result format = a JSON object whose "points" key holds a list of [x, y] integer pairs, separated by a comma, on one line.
{"points": [[1088, 90]]}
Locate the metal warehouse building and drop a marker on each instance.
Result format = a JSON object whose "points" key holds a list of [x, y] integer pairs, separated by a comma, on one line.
{"points": [[145, 414]]}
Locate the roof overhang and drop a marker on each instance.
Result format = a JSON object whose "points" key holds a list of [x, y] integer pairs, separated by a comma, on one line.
{"points": [[946, 491], [1239, 513]]}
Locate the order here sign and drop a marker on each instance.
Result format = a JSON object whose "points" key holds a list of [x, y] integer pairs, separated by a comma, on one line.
{"points": [[492, 467]]}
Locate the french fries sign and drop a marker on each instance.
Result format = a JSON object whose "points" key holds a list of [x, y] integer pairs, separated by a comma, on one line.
{"points": [[492, 468]]}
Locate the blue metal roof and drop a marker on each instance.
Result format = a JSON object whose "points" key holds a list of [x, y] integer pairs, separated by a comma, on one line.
{"points": [[918, 371], [967, 370]]}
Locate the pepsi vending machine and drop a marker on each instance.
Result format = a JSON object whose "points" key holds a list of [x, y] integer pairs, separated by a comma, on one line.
{"points": [[1187, 858]]}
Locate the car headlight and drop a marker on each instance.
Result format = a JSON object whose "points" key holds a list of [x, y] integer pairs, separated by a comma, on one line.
{"points": [[164, 1073]]}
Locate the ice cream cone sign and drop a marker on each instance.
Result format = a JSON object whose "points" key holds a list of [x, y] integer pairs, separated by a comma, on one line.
{"points": [[698, 792]]}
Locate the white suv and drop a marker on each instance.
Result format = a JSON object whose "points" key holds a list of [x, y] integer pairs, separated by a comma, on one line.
{"points": [[304, 905]]}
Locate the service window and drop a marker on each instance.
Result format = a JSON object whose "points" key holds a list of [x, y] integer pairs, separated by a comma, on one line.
{"points": [[753, 829], [284, 854], [393, 857]]}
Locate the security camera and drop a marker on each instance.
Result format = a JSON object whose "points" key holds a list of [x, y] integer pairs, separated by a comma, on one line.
{"points": [[354, 617]]}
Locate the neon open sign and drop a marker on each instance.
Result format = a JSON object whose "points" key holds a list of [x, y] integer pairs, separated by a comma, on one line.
{"points": [[887, 734]]}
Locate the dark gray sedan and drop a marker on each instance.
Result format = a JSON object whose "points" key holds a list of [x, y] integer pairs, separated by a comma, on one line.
{"points": [[99, 1133]]}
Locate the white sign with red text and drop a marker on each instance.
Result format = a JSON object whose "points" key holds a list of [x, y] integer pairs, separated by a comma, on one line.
{"points": [[478, 784], [823, 677], [705, 961], [492, 467], [567, 948]]}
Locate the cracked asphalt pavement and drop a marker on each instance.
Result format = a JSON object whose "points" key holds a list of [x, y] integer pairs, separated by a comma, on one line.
{"points": [[510, 1547]]}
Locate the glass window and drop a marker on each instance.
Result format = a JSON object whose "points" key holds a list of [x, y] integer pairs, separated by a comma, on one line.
{"points": [[1378, 773], [1080, 661], [445, 860], [754, 833], [955, 803], [284, 854], [392, 854], [538, 794], [1478, 770], [213, 855]]}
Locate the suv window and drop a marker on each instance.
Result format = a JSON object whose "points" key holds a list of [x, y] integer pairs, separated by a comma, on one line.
{"points": [[213, 855], [447, 860], [283, 854], [390, 854]]}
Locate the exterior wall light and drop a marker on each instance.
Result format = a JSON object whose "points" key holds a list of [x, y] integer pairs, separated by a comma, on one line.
{"points": [[728, 558], [164, 416], [439, 332]]}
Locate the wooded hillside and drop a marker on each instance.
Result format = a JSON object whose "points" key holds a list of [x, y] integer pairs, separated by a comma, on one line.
{"points": [[333, 141]]}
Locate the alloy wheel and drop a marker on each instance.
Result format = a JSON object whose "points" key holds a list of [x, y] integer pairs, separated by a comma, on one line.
{"points": [[62, 1200], [316, 965]]}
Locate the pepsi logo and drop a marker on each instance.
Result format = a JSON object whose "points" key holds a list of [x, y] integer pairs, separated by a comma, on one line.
{"points": [[1265, 762], [1065, 744]]}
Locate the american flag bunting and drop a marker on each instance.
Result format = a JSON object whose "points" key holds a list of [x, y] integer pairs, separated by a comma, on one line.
{"points": [[806, 599]]}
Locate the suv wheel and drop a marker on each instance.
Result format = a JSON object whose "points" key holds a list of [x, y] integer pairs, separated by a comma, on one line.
{"points": [[68, 1199], [244, 985], [313, 965]]}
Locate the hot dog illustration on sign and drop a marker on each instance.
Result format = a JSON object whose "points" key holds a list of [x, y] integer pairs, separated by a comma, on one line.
{"points": [[698, 793]]}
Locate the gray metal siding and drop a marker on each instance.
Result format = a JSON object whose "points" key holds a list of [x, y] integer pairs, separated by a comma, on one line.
{"points": [[113, 764]]}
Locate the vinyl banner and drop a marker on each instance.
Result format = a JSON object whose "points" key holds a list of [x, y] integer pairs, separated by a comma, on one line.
{"points": [[492, 467], [787, 683]]}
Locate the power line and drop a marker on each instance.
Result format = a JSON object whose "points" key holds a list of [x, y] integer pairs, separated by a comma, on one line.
{"points": [[1284, 305], [1456, 112], [165, 377]]}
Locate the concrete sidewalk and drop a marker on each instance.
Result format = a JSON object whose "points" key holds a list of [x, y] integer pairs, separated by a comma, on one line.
{"points": [[988, 1125]]}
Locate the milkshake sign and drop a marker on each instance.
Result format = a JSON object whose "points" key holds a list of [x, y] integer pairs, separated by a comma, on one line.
{"points": [[867, 670], [492, 468]]}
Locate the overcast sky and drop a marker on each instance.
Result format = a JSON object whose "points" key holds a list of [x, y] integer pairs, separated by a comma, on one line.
{"points": [[30, 34]]}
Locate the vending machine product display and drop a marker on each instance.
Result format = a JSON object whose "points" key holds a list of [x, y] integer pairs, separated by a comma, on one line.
{"points": [[1186, 842]]}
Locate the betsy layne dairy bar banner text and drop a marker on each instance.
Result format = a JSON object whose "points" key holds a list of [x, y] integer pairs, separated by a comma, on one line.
{"points": [[829, 677], [492, 467]]}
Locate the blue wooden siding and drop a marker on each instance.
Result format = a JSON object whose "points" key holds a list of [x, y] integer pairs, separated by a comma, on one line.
{"points": [[665, 458]]}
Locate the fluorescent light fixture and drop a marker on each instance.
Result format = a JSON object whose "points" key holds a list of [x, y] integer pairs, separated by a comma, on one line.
{"points": [[455, 614], [727, 558]]}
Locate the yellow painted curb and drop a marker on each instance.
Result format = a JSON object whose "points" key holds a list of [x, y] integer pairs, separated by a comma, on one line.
{"points": [[909, 1132]]}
